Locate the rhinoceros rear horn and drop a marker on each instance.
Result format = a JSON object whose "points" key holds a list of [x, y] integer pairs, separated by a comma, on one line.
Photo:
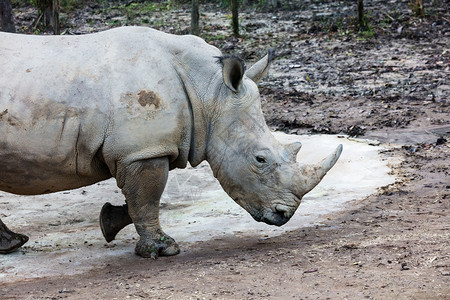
{"points": [[232, 71], [293, 149], [261, 68]]}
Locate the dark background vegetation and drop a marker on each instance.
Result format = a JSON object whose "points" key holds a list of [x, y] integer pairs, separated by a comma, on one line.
{"points": [[138, 11]]}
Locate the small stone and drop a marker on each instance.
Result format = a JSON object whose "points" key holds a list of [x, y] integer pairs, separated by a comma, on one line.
{"points": [[440, 141], [311, 271]]}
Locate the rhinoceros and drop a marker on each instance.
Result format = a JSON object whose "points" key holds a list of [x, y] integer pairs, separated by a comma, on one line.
{"points": [[134, 103]]}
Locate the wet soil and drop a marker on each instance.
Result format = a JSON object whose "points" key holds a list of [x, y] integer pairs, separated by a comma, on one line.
{"points": [[389, 84]]}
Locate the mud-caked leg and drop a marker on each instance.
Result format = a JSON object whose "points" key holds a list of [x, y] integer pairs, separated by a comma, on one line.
{"points": [[10, 241], [143, 182]]}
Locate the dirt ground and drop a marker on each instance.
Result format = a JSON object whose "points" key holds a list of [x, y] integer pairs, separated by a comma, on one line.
{"points": [[390, 84]]}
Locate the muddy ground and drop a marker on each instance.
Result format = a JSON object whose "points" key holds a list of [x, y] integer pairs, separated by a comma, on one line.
{"points": [[390, 83]]}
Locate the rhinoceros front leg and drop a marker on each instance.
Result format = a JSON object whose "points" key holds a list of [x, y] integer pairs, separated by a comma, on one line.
{"points": [[143, 183]]}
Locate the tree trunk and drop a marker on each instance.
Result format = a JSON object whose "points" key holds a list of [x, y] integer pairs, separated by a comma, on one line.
{"points": [[361, 20], [195, 28], [6, 21], [55, 14], [420, 12], [274, 3], [49, 15], [235, 17]]}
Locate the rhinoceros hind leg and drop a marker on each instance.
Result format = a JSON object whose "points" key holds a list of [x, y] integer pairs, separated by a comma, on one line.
{"points": [[10, 241], [113, 219]]}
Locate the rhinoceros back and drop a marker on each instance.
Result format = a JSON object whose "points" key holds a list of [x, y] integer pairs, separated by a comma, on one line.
{"points": [[50, 127], [71, 106]]}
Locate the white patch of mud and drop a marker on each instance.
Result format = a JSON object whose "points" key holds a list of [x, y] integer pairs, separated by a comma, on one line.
{"points": [[65, 237]]}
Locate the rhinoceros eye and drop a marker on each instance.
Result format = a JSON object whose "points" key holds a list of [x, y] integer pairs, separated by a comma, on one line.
{"points": [[260, 159]]}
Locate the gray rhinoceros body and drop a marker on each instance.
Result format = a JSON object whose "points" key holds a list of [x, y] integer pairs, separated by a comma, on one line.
{"points": [[73, 108], [133, 103]]}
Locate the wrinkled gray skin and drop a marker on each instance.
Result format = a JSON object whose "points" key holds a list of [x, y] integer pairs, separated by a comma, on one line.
{"points": [[133, 103]]}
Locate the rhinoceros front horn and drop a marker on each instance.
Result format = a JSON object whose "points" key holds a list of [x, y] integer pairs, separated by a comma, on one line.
{"points": [[310, 175]]}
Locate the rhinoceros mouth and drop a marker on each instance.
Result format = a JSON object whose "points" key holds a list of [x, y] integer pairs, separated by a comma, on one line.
{"points": [[276, 218], [273, 217], [278, 214]]}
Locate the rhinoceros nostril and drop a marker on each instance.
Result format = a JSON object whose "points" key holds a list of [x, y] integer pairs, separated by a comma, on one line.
{"points": [[279, 218], [280, 213]]}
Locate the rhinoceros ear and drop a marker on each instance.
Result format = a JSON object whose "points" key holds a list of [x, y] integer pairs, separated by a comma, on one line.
{"points": [[260, 68], [232, 71]]}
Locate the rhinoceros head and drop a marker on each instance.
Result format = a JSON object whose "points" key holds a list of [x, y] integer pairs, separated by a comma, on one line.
{"points": [[258, 172]]}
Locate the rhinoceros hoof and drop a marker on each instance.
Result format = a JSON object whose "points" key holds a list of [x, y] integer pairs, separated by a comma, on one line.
{"points": [[164, 246], [113, 219], [11, 241]]}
